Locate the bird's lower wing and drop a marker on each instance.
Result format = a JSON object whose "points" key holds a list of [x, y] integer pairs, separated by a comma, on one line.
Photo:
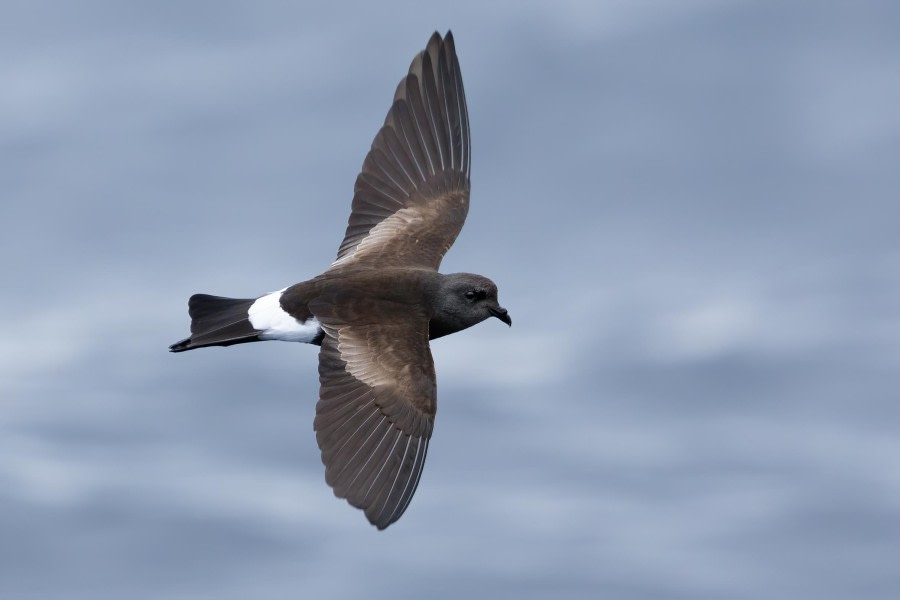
{"points": [[376, 410]]}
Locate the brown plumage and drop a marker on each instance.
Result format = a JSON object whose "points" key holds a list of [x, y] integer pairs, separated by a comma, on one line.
{"points": [[375, 309]]}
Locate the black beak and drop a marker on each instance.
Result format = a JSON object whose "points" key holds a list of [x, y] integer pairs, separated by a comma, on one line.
{"points": [[502, 314]]}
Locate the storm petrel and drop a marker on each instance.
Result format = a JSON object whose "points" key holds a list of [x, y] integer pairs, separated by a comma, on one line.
{"points": [[374, 310]]}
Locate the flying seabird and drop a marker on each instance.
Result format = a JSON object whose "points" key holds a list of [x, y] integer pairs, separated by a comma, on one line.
{"points": [[374, 310]]}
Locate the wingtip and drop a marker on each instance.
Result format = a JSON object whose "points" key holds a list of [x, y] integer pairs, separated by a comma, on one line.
{"points": [[436, 41]]}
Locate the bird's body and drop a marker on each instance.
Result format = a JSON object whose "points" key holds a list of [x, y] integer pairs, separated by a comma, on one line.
{"points": [[375, 309]]}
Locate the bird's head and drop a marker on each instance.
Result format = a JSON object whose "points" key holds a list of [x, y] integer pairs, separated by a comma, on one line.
{"points": [[465, 299]]}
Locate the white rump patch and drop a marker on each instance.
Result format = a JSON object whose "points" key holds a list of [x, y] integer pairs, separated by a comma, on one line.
{"points": [[267, 316]]}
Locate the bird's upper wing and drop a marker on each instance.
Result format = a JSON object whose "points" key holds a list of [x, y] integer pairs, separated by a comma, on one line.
{"points": [[412, 195], [377, 403]]}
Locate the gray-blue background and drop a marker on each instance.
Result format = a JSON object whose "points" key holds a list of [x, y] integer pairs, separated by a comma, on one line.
{"points": [[691, 209]]}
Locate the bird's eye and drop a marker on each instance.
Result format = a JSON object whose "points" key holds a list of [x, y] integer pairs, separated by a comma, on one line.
{"points": [[470, 295]]}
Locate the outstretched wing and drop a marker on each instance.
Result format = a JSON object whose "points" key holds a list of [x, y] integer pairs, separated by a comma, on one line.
{"points": [[376, 406], [411, 198]]}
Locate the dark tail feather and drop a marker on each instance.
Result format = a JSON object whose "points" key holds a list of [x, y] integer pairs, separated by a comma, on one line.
{"points": [[217, 321]]}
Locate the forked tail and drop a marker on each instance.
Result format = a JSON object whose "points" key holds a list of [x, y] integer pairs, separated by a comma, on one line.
{"points": [[218, 321]]}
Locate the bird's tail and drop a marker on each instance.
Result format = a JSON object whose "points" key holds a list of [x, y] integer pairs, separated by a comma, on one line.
{"points": [[217, 321]]}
